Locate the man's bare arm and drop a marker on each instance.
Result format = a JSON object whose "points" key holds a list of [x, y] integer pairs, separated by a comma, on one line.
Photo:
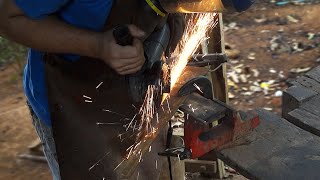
{"points": [[53, 35]]}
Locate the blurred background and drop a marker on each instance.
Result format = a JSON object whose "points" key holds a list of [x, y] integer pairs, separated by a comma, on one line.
{"points": [[273, 42]]}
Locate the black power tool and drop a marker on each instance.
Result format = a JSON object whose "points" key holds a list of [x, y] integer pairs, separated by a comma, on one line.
{"points": [[152, 71]]}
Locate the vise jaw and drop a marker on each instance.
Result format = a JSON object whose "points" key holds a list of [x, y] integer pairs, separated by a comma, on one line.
{"points": [[200, 135]]}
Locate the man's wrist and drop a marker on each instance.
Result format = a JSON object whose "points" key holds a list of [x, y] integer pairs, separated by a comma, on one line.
{"points": [[98, 46]]}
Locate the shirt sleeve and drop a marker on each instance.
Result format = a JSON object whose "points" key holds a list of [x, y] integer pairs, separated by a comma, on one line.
{"points": [[38, 9]]}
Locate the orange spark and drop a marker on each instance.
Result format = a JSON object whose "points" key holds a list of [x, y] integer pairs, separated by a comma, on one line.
{"points": [[148, 109], [195, 33]]}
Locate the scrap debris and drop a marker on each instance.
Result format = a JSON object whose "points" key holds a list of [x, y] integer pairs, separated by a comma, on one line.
{"points": [[283, 37], [245, 84]]}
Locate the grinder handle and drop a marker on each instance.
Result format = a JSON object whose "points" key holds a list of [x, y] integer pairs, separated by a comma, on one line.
{"points": [[122, 35]]}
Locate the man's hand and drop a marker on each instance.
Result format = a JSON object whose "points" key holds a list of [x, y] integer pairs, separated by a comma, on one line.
{"points": [[123, 59]]}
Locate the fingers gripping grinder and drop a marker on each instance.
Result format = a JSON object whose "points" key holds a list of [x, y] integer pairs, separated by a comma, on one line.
{"points": [[151, 16]]}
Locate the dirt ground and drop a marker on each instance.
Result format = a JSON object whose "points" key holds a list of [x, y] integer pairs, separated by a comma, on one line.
{"points": [[16, 131], [266, 37], [256, 35]]}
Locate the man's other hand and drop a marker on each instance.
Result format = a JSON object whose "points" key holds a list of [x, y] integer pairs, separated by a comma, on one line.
{"points": [[123, 59]]}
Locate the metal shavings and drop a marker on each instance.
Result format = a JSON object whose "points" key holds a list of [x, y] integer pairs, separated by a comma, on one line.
{"points": [[137, 145], [134, 126], [168, 106], [134, 117], [179, 111], [99, 123], [125, 119], [97, 163], [88, 101], [106, 110], [131, 149], [134, 106], [97, 87], [86, 97], [119, 165], [120, 135], [157, 115], [140, 158], [197, 87]]}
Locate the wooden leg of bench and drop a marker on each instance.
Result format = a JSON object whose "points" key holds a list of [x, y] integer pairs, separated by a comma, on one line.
{"points": [[218, 78]]}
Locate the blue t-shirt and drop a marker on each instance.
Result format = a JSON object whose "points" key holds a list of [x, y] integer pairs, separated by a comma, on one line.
{"points": [[89, 14]]}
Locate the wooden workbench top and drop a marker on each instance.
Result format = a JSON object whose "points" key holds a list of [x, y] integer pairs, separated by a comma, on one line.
{"points": [[277, 149]]}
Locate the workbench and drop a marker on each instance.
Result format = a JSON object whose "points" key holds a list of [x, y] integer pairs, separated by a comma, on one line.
{"points": [[277, 149], [283, 148]]}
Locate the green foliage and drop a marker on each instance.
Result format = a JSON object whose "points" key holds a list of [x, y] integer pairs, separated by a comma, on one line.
{"points": [[11, 52]]}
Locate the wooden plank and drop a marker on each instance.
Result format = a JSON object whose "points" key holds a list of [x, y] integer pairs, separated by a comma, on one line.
{"points": [[309, 83], [196, 166], [218, 75], [293, 97], [293, 83], [312, 106], [305, 120], [314, 74], [275, 150]]}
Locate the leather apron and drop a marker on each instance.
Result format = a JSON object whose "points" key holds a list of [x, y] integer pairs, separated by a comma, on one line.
{"points": [[89, 122]]}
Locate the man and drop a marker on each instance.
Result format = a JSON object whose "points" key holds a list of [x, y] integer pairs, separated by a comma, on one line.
{"points": [[60, 33]]}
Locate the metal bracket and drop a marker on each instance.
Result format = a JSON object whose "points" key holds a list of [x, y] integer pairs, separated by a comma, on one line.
{"points": [[202, 60]]}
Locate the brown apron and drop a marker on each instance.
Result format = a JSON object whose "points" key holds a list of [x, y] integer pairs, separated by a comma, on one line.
{"points": [[89, 123], [86, 134]]}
